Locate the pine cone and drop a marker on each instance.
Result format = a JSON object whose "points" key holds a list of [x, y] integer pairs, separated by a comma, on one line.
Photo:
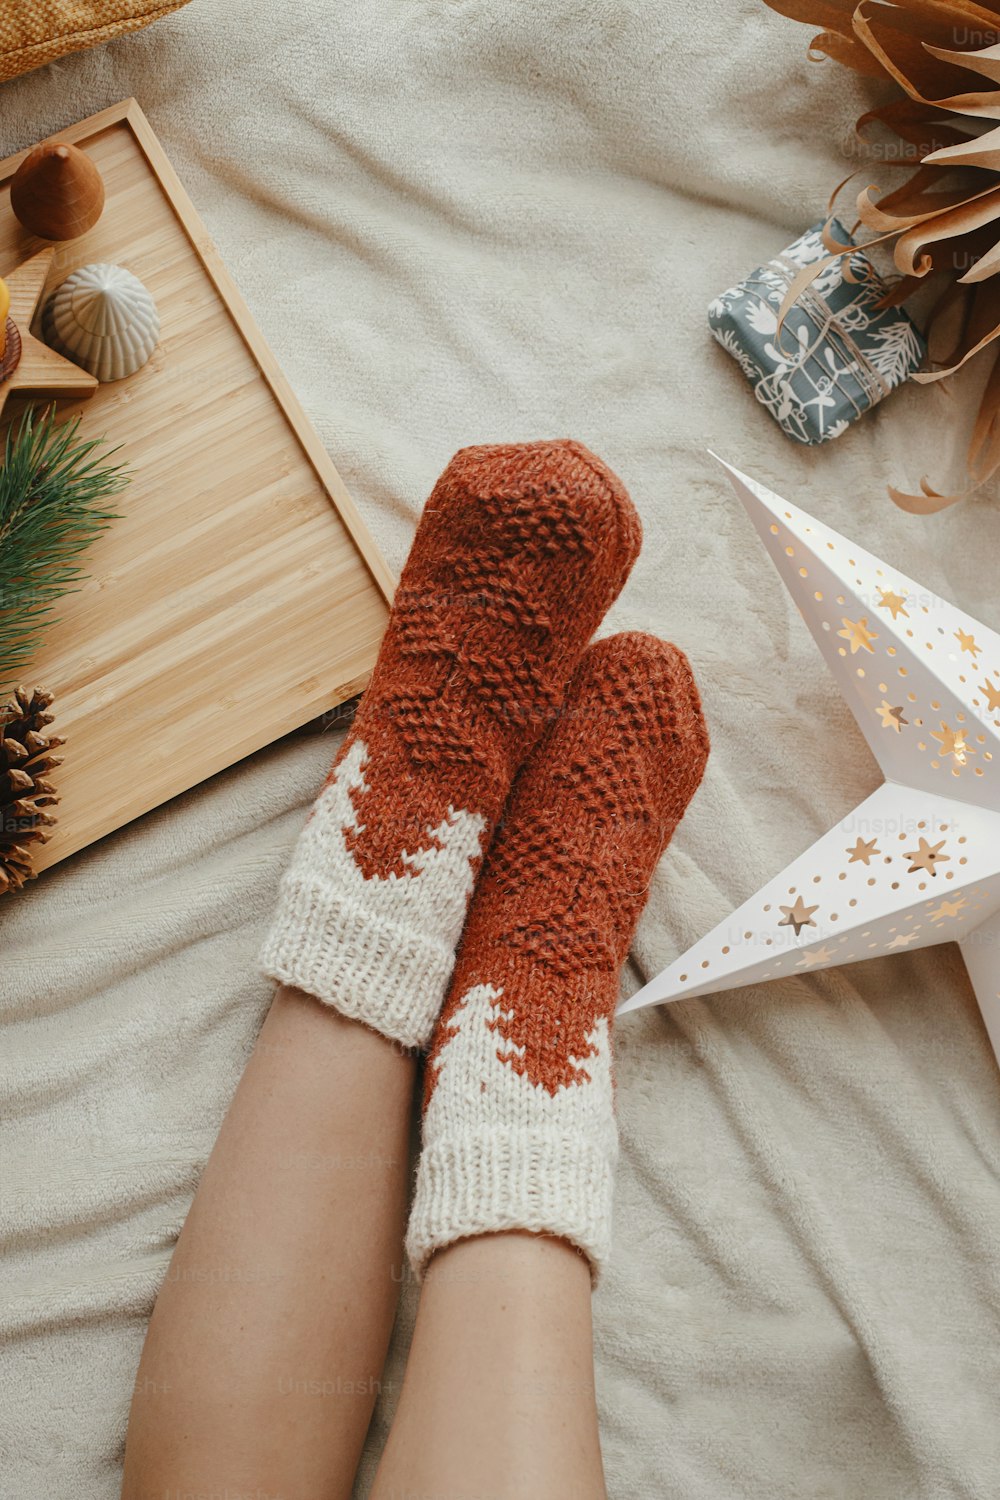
{"points": [[26, 794]]}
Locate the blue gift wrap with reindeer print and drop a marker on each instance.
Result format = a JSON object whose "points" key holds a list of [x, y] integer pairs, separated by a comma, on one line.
{"points": [[837, 353]]}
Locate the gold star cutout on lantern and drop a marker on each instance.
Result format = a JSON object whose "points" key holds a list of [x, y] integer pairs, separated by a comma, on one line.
{"points": [[892, 718], [40, 371], [947, 909], [894, 602], [816, 956], [868, 899], [926, 857], [857, 634], [863, 851], [798, 916], [953, 742]]}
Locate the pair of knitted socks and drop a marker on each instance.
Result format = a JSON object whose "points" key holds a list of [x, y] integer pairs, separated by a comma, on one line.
{"points": [[505, 791]]}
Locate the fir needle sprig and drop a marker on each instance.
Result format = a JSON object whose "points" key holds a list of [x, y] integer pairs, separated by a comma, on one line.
{"points": [[53, 485]]}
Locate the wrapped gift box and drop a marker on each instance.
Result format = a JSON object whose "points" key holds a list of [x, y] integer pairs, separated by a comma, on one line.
{"points": [[836, 354]]}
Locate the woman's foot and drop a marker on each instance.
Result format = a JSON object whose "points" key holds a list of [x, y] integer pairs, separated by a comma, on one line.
{"points": [[520, 551], [519, 1128]]}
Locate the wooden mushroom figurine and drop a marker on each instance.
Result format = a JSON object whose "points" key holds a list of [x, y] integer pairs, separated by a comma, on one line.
{"points": [[57, 192]]}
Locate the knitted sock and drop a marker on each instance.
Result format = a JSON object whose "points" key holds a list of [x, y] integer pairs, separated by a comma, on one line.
{"points": [[519, 1128], [519, 552]]}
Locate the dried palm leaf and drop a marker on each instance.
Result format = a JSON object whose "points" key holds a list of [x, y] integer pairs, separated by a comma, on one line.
{"points": [[943, 222]]}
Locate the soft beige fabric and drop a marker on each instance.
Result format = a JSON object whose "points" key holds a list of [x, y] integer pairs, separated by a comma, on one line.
{"points": [[34, 32], [471, 220]]}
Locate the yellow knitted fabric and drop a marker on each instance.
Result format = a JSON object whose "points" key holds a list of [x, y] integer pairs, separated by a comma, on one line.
{"points": [[33, 32]]}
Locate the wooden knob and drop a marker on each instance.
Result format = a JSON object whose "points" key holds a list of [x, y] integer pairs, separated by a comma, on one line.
{"points": [[57, 192]]}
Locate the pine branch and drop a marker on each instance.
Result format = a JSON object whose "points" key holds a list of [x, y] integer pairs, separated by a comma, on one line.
{"points": [[52, 485]]}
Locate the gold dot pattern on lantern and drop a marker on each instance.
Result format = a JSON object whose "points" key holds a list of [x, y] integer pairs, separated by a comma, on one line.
{"points": [[924, 683], [953, 751]]}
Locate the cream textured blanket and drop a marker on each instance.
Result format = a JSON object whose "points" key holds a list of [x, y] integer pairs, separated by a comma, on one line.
{"points": [[469, 220]]}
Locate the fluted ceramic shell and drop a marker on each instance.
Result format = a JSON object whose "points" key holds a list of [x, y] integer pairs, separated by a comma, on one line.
{"points": [[103, 318]]}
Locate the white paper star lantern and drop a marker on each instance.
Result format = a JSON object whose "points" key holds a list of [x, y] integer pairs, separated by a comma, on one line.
{"points": [[919, 861]]}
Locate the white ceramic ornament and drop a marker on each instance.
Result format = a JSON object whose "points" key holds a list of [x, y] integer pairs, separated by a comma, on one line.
{"points": [[918, 862], [104, 319]]}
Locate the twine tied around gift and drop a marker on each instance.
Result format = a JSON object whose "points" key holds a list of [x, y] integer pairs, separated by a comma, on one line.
{"points": [[829, 331]]}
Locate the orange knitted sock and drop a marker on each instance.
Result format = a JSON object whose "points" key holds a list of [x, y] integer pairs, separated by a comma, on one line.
{"points": [[519, 553], [519, 1127]]}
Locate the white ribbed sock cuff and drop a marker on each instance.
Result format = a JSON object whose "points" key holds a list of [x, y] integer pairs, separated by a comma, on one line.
{"points": [[549, 1182], [325, 943]]}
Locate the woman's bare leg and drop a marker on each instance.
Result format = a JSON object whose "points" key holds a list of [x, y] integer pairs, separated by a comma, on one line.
{"points": [[518, 1126], [498, 1400], [262, 1362]]}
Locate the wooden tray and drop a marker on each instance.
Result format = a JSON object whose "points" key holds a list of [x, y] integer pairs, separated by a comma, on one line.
{"points": [[239, 595]]}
